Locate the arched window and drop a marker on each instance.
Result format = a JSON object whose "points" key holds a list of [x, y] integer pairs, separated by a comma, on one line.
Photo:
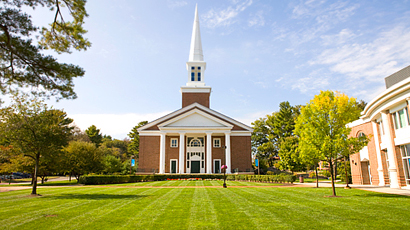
{"points": [[195, 143], [192, 76], [361, 134], [199, 76]]}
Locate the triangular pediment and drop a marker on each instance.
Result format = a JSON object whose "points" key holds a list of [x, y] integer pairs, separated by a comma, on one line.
{"points": [[195, 115], [195, 118]]}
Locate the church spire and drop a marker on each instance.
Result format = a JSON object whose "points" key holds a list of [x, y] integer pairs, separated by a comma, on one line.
{"points": [[195, 90], [195, 53]]}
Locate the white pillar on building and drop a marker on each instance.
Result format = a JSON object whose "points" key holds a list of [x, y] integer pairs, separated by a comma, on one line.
{"points": [[209, 152], [228, 152], [162, 154], [181, 153], [394, 181], [378, 153]]}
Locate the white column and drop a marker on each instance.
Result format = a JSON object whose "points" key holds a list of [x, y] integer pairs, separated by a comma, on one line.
{"points": [[181, 153], [228, 152], [208, 152], [378, 153], [162, 154], [394, 181]]}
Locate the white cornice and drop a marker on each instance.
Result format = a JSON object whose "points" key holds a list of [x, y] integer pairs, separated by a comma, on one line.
{"points": [[384, 97], [189, 107]]}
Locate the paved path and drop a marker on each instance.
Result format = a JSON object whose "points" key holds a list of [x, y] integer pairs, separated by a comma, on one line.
{"points": [[373, 188]]}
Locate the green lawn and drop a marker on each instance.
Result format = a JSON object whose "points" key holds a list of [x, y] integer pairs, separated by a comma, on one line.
{"points": [[202, 208]]}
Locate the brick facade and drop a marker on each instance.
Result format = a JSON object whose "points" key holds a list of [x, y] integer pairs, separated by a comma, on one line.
{"points": [[360, 173], [149, 153], [241, 153], [190, 98]]}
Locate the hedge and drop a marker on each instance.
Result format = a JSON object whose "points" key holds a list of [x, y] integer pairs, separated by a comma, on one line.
{"points": [[281, 178], [117, 179]]}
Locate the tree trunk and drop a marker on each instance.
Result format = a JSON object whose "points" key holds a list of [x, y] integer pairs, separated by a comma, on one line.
{"points": [[32, 178], [332, 176], [42, 179], [34, 191], [335, 169], [69, 178], [347, 177], [317, 178]]}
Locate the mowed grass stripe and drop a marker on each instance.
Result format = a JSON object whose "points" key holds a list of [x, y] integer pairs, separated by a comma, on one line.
{"points": [[267, 219], [13, 205], [112, 205], [97, 204], [202, 212], [232, 212], [23, 210], [281, 211], [150, 204], [357, 203], [18, 220], [156, 212]]}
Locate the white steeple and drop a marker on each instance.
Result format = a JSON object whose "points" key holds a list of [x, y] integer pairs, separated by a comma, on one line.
{"points": [[195, 53], [195, 89], [196, 65]]}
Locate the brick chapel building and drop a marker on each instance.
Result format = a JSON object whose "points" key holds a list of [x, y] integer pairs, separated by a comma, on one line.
{"points": [[385, 161], [195, 138]]}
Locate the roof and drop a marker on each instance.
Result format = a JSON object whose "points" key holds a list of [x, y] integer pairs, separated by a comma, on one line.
{"points": [[198, 109]]}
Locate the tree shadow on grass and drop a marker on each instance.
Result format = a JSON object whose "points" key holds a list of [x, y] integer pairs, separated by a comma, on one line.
{"points": [[95, 196], [384, 195]]}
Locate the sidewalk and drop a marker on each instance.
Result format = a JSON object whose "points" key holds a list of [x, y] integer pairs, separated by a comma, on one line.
{"points": [[373, 188]]}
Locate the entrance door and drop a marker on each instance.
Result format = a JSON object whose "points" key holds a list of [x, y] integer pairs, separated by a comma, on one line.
{"points": [[195, 166], [365, 172], [173, 166], [217, 166]]}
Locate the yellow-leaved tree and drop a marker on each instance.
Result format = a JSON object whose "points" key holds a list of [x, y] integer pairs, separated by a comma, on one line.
{"points": [[322, 129]]}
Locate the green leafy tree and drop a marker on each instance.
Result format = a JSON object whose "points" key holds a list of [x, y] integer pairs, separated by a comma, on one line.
{"points": [[82, 158], [134, 145], [94, 134], [270, 131], [120, 147], [37, 131], [112, 164], [24, 64], [289, 155], [322, 128]]}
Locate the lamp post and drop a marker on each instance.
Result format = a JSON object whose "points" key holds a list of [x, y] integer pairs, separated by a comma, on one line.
{"points": [[224, 167]]}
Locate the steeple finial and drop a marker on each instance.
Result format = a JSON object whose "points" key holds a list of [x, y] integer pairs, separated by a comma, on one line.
{"points": [[195, 53]]}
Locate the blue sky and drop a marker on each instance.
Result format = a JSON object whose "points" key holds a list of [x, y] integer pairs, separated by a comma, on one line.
{"points": [[258, 54]]}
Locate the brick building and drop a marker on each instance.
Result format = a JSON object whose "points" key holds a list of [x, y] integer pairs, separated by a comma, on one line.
{"points": [[195, 138], [385, 161]]}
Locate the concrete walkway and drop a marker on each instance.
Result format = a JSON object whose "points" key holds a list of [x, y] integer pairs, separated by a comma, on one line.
{"points": [[373, 188]]}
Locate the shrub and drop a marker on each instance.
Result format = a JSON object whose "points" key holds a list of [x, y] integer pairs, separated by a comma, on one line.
{"points": [[325, 173], [312, 174]]}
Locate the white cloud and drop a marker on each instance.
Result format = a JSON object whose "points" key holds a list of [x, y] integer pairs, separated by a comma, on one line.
{"points": [[257, 19], [324, 17], [226, 16], [342, 37], [176, 4], [116, 125], [370, 61]]}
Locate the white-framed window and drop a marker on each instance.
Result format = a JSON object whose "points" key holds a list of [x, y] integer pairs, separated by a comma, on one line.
{"points": [[405, 152], [401, 118], [174, 142], [217, 142]]}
